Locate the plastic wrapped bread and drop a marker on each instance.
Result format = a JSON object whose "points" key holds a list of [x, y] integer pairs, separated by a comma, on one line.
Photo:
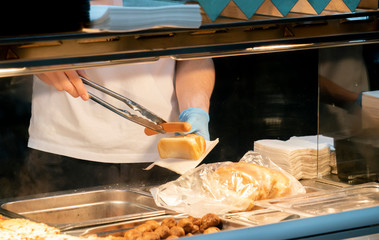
{"points": [[224, 187], [252, 182]]}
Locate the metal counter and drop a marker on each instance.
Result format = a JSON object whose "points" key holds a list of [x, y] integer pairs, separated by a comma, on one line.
{"points": [[115, 210]]}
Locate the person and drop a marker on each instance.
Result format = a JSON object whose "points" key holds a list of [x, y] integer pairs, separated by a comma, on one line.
{"points": [[342, 77], [76, 143]]}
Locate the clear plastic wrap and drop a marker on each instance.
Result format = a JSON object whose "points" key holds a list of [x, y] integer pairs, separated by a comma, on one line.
{"points": [[225, 187]]}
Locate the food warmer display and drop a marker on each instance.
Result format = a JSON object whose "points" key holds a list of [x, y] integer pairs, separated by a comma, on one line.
{"points": [[342, 202]]}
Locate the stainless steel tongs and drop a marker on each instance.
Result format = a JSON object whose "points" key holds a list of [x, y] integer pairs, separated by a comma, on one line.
{"points": [[153, 124]]}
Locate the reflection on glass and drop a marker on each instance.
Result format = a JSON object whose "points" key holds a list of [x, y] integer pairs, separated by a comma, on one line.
{"points": [[349, 109]]}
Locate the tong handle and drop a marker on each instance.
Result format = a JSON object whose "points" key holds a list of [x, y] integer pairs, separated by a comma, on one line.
{"points": [[106, 90], [171, 127], [153, 121], [133, 105]]}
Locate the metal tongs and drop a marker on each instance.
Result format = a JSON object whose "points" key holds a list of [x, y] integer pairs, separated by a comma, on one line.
{"points": [[153, 124]]}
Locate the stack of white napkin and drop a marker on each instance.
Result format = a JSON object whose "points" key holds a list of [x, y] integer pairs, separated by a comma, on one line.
{"points": [[301, 158], [141, 15], [370, 109]]}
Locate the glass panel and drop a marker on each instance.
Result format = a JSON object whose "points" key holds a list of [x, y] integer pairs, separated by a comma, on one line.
{"points": [[348, 110], [15, 108], [265, 96]]}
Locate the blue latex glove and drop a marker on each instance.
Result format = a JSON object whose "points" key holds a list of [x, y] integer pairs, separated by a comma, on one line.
{"points": [[198, 118], [359, 100], [355, 106]]}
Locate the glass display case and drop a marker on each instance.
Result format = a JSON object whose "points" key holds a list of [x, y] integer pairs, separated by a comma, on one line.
{"points": [[276, 78]]}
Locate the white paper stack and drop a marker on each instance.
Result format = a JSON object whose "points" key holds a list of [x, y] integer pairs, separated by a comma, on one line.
{"points": [[135, 17], [370, 109], [298, 157], [323, 140]]}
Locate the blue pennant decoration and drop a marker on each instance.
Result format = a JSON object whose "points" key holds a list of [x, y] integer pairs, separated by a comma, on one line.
{"points": [[213, 8], [284, 6], [248, 7], [351, 4], [319, 5]]}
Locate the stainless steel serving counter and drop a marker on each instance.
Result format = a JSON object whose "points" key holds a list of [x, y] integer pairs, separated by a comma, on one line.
{"points": [[115, 209]]}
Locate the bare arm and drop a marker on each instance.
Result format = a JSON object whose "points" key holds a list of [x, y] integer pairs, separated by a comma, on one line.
{"points": [[335, 94], [195, 81]]}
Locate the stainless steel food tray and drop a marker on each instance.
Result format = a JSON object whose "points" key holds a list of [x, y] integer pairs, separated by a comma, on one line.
{"points": [[327, 202], [69, 210], [263, 216]]}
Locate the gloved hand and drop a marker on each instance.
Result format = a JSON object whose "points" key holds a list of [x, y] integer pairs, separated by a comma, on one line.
{"points": [[356, 106], [359, 100], [198, 118]]}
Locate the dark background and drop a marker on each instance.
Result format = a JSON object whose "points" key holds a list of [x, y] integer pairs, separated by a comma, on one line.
{"points": [[272, 96]]}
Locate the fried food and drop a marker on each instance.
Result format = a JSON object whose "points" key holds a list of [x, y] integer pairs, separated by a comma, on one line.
{"points": [[132, 234], [163, 231], [177, 231], [170, 228], [169, 222], [210, 220], [150, 236], [211, 230], [194, 220], [172, 237], [186, 224], [153, 224]]}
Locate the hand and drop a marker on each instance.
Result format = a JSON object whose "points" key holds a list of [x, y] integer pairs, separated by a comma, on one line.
{"points": [[358, 101], [198, 118], [68, 81]]}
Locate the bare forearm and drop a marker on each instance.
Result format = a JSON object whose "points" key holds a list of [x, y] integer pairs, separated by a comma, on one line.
{"points": [[335, 93], [195, 81]]}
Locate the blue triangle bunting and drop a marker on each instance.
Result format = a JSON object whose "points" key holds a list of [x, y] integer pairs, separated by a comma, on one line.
{"points": [[319, 5], [284, 6], [351, 4], [213, 8], [248, 7]]}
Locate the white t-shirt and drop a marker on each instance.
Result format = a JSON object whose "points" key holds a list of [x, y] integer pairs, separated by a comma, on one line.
{"points": [[344, 66], [85, 130]]}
